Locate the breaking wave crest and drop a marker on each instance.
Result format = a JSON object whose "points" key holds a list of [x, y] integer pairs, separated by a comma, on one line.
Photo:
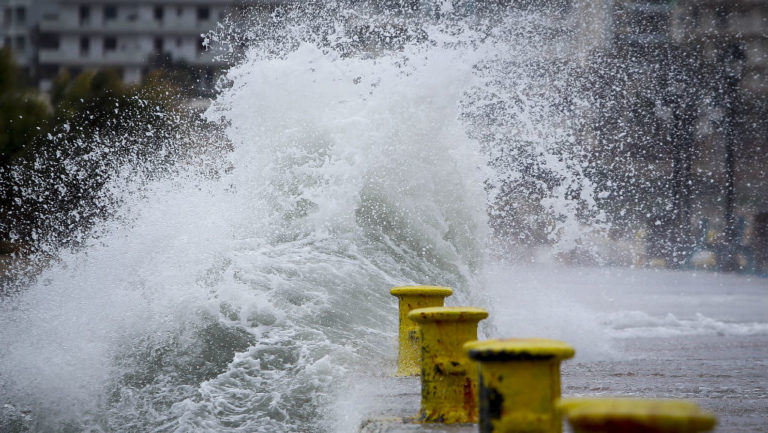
{"points": [[366, 150]]}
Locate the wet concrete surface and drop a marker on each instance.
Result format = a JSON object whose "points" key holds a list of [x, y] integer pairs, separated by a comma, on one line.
{"points": [[727, 375], [396, 406]]}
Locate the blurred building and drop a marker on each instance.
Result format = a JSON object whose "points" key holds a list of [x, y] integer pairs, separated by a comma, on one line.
{"points": [[713, 23], [690, 105], [48, 36], [733, 37], [17, 22], [641, 24]]}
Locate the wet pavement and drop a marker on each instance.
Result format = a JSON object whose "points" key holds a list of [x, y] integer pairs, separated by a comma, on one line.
{"points": [[727, 375]]}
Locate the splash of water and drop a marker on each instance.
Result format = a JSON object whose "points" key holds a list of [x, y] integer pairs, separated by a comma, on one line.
{"points": [[365, 149]]}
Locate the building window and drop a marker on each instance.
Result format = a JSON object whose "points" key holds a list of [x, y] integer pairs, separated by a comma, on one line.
{"points": [[7, 41], [695, 15], [722, 13], [110, 43], [85, 14], [21, 43], [49, 41], [159, 45], [200, 45], [159, 12], [110, 12], [21, 15], [132, 13], [179, 11], [85, 46], [203, 13], [7, 17], [652, 23], [179, 42], [48, 71]]}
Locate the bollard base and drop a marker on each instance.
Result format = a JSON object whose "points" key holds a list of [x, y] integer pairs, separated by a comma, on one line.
{"points": [[388, 424], [393, 407]]}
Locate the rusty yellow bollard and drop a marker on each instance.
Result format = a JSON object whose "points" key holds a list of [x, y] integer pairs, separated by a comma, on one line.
{"points": [[410, 298], [448, 376], [519, 384], [633, 415]]}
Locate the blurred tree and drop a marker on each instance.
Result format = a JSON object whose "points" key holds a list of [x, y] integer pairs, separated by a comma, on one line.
{"points": [[732, 61], [22, 112], [185, 77], [683, 86], [91, 99], [22, 117]]}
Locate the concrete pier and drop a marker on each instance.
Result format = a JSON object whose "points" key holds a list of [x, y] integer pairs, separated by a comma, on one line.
{"points": [[397, 407]]}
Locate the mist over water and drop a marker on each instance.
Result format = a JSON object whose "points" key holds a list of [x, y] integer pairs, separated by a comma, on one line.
{"points": [[367, 150]]}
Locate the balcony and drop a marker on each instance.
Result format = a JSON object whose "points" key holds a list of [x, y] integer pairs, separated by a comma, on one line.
{"points": [[207, 58], [751, 24], [195, 2], [115, 58], [110, 58], [647, 8], [159, 2], [127, 27]]}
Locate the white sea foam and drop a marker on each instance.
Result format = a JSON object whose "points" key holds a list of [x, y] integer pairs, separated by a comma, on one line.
{"points": [[625, 324], [238, 303]]}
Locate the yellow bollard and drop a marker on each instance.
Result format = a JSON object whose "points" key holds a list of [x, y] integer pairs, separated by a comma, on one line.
{"points": [[633, 415], [410, 298], [519, 384], [448, 376]]}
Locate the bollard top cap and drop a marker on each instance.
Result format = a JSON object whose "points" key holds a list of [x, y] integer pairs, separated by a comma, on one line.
{"points": [[518, 349], [421, 291], [635, 414], [447, 314]]}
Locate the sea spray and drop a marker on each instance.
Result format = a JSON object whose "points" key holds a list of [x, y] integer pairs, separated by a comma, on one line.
{"points": [[240, 301]]}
